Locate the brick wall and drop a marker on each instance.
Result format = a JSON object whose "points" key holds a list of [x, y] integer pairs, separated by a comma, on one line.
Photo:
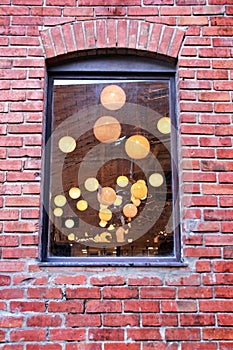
{"points": [[75, 308]]}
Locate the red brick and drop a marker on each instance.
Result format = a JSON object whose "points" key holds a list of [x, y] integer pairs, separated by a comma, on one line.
{"points": [[159, 320], [157, 293], [11, 322], [65, 306], [115, 320], [70, 279], [5, 280], [28, 335], [84, 346], [182, 334], [195, 293], [121, 346], [225, 319], [218, 240], [82, 293], [107, 280], [103, 306], [83, 321], [226, 346], [216, 306], [141, 306], [67, 334], [203, 252], [12, 266], [160, 346], [197, 320], [27, 306], [179, 306], [44, 293], [9, 241], [119, 293], [48, 346], [2, 336], [192, 280], [44, 321], [106, 334], [199, 346], [218, 333], [12, 293]]}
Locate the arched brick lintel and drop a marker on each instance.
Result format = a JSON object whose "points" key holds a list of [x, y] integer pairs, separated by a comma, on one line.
{"points": [[77, 37]]}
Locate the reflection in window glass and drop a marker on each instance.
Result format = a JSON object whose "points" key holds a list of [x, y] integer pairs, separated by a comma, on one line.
{"points": [[111, 187]]}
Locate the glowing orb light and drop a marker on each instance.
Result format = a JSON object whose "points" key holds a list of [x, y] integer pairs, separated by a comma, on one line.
{"points": [[156, 180], [164, 125], [69, 223], [102, 223], [82, 205], [71, 237], [118, 201], [122, 181], [137, 147], [58, 212], [139, 190], [107, 129], [74, 193], [67, 144], [105, 214], [112, 97], [107, 196], [60, 200], [130, 210], [91, 184]]}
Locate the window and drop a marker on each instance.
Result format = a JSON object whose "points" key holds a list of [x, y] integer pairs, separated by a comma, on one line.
{"points": [[110, 172]]}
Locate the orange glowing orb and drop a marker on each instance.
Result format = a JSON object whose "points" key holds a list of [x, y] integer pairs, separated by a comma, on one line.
{"points": [[137, 147], [130, 210], [107, 129], [112, 97], [107, 196], [139, 190]]}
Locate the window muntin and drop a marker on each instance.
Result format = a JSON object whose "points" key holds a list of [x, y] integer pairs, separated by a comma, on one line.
{"points": [[80, 235]]}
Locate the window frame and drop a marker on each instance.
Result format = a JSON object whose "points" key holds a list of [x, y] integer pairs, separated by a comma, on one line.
{"points": [[111, 67]]}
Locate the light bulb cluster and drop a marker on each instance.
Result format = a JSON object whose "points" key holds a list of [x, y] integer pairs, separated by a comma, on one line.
{"points": [[107, 129]]}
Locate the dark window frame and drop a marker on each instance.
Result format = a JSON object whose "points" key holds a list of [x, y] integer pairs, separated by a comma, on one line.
{"points": [[118, 67]]}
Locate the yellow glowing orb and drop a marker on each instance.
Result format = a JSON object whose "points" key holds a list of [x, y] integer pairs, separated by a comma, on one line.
{"points": [[58, 212], [164, 125], [156, 180], [107, 129], [130, 210], [82, 205], [112, 97], [91, 184], [69, 223], [107, 196], [111, 227], [137, 147], [67, 144], [122, 181], [142, 181], [139, 190], [60, 200], [102, 223], [74, 193], [120, 235], [118, 201], [71, 237], [105, 214]]}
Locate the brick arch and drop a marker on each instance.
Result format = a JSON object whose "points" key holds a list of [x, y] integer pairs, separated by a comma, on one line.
{"points": [[117, 34]]}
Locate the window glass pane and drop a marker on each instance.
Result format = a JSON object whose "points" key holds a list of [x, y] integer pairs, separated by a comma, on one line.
{"points": [[110, 169]]}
